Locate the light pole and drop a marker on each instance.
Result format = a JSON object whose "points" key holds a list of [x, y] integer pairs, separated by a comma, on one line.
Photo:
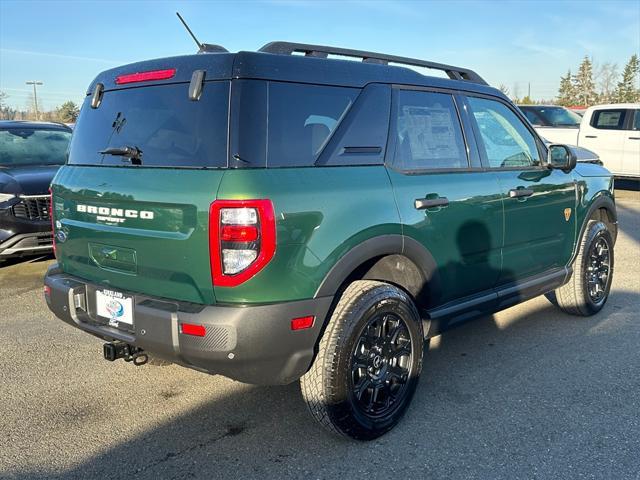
{"points": [[35, 95]]}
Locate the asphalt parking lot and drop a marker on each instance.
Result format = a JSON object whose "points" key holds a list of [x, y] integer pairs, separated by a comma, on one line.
{"points": [[527, 393]]}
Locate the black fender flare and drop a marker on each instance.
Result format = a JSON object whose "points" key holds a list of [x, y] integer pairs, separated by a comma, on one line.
{"points": [[380, 246], [601, 201]]}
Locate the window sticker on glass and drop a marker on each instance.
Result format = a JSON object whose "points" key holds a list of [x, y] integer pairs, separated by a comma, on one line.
{"points": [[609, 119], [428, 132]]}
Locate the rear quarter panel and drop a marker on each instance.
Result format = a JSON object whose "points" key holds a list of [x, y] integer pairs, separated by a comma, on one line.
{"points": [[321, 214]]}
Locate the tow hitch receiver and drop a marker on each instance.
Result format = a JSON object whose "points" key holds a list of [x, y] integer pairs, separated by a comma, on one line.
{"points": [[115, 350]]}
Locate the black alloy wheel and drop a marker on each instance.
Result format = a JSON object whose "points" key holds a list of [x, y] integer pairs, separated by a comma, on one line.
{"points": [[381, 365]]}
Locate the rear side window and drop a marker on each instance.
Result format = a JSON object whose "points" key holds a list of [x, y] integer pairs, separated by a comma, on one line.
{"points": [[161, 121], [608, 119], [428, 132], [636, 120], [507, 141], [279, 124], [301, 120]]}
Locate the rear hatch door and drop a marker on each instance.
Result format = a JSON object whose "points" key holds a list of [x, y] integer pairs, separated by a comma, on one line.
{"points": [[139, 223]]}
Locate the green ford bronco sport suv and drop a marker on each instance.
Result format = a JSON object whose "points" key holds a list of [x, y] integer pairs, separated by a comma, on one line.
{"points": [[285, 214]]}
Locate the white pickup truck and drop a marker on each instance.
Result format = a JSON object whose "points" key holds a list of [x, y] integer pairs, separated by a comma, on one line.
{"points": [[611, 131]]}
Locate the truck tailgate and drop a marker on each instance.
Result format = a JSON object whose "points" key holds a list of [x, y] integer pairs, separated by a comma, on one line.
{"points": [[142, 230]]}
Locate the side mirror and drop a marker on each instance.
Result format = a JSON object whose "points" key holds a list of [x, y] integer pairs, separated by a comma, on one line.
{"points": [[561, 157]]}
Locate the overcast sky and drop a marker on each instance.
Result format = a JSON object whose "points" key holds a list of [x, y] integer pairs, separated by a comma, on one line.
{"points": [[65, 44]]}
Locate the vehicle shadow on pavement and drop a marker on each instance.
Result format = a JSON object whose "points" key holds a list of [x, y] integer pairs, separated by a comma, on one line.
{"points": [[502, 393]]}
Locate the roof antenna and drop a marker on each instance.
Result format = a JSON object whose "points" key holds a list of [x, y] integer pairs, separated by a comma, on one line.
{"points": [[189, 30], [202, 47]]}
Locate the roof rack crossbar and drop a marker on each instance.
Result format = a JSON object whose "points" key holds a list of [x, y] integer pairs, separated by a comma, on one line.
{"points": [[289, 48]]}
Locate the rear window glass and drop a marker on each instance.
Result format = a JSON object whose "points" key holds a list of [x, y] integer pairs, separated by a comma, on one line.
{"points": [[30, 146], [559, 116], [531, 116], [608, 119], [160, 121], [279, 124]]}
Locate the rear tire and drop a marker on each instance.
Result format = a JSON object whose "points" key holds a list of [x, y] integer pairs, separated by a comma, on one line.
{"points": [[368, 363], [587, 290]]}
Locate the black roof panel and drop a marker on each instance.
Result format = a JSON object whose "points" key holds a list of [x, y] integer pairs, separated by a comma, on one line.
{"points": [[280, 67]]}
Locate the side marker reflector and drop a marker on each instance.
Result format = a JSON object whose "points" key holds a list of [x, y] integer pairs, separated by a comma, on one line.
{"points": [[302, 323], [191, 329]]}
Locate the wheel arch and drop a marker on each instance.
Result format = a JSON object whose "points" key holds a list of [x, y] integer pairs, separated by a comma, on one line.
{"points": [[398, 260], [602, 207]]}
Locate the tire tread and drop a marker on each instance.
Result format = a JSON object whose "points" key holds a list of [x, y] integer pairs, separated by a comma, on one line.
{"points": [[316, 383]]}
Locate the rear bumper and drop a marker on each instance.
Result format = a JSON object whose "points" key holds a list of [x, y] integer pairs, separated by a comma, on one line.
{"points": [[252, 344]]}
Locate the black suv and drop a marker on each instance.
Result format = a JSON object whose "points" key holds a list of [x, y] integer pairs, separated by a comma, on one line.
{"points": [[30, 155]]}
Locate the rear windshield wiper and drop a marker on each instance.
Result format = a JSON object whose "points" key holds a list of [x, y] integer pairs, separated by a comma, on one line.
{"points": [[132, 153]]}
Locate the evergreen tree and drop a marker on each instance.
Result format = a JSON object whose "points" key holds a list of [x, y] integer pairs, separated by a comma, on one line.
{"points": [[566, 94], [583, 84], [627, 90], [68, 112]]}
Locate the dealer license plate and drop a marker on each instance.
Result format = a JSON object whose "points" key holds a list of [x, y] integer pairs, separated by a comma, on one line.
{"points": [[115, 307]]}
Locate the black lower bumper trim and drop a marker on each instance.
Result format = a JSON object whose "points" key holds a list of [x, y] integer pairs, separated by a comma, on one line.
{"points": [[249, 343], [27, 243]]}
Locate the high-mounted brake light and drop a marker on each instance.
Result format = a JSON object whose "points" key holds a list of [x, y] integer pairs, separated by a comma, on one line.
{"points": [[145, 76], [242, 239]]}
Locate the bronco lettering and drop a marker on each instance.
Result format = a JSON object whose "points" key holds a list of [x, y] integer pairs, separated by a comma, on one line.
{"points": [[113, 213]]}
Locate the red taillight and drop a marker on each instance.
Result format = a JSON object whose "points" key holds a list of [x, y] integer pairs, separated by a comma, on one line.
{"points": [[236, 233], [191, 329], [47, 291], [145, 76], [302, 323], [242, 239], [53, 230]]}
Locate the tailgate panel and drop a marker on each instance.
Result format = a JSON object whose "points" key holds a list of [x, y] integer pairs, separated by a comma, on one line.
{"points": [[137, 229]]}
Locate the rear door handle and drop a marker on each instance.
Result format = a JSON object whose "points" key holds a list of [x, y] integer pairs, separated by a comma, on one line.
{"points": [[520, 192], [590, 136], [634, 138], [422, 203]]}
